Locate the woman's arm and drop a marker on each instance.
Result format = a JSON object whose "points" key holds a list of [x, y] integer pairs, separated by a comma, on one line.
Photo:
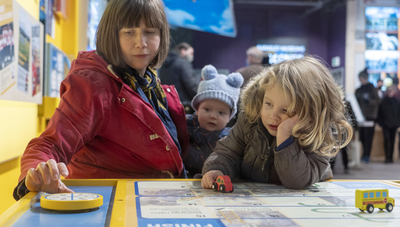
{"points": [[78, 119]]}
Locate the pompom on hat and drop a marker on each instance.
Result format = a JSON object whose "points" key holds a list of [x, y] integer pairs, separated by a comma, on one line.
{"points": [[219, 87]]}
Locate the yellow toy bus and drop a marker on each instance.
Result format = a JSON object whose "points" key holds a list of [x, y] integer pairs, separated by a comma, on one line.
{"points": [[368, 199]]}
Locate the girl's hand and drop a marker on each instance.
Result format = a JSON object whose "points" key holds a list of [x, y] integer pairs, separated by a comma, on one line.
{"points": [[285, 129], [209, 178], [46, 178]]}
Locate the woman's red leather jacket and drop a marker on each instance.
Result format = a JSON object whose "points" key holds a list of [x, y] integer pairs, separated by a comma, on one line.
{"points": [[103, 129]]}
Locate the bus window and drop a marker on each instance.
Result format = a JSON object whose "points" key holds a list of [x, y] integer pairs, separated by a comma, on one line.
{"points": [[378, 194], [384, 194], [371, 195], [366, 195]]}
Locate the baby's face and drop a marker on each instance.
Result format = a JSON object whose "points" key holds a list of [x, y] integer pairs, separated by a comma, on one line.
{"points": [[213, 115]]}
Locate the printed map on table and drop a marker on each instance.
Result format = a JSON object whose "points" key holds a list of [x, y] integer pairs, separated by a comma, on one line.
{"points": [[186, 204]]}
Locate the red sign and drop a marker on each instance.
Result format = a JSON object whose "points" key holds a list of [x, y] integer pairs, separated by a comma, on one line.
{"points": [[385, 200]]}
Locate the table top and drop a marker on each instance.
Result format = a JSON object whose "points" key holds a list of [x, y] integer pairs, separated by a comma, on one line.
{"points": [[183, 203]]}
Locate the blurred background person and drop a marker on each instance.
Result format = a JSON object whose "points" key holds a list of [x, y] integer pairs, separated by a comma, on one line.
{"points": [[379, 85], [368, 99], [389, 120], [397, 96], [178, 70], [351, 118], [253, 64], [265, 61]]}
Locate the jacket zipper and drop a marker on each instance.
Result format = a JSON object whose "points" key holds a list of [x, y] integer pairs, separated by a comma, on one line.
{"points": [[263, 155]]}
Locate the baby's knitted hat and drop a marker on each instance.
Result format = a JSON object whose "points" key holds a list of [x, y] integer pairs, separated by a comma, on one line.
{"points": [[219, 87]]}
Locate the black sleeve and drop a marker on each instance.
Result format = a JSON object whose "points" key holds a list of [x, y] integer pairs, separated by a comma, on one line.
{"points": [[188, 78], [380, 117], [21, 190]]}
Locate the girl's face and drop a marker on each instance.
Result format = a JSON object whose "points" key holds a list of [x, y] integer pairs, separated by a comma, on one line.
{"points": [[274, 109], [139, 46], [213, 115]]}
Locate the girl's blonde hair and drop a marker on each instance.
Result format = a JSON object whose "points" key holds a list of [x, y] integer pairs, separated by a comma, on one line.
{"points": [[312, 94]]}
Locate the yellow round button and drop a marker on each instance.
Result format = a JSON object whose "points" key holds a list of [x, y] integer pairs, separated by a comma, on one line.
{"points": [[71, 201]]}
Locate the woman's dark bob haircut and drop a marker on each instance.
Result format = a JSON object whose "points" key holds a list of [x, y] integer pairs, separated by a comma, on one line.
{"points": [[127, 14]]}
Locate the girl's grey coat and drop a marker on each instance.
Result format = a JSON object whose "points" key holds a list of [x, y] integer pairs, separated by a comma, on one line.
{"points": [[246, 153]]}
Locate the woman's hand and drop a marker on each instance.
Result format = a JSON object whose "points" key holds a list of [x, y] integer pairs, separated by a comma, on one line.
{"points": [[285, 129], [209, 178], [46, 178]]}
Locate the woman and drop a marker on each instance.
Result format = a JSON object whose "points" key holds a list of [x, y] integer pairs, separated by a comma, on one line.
{"points": [[114, 120]]}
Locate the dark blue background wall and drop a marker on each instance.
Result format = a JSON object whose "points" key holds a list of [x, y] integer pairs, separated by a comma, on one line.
{"points": [[324, 31]]}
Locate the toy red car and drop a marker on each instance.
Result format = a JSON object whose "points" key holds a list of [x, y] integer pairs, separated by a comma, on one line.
{"points": [[223, 184]]}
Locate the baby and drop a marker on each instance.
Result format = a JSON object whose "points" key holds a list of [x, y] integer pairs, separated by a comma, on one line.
{"points": [[215, 104]]}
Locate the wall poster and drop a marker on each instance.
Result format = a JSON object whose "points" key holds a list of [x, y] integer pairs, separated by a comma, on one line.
{"points": [[57, 68], [21, 54], [36, 60], [7, 76]]}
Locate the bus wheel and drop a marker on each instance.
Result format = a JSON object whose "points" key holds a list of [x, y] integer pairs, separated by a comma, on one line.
{"points": [[389, 207], [370, 208]]}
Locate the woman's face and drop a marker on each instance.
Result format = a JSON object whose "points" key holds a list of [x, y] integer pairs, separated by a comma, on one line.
{"points": [[139, 46]]}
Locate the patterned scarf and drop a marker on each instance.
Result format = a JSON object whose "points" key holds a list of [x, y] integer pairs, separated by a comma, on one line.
{"points": [[151, 91]]}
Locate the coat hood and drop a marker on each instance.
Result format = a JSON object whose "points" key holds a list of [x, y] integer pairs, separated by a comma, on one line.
{"points": [[91, 60]]}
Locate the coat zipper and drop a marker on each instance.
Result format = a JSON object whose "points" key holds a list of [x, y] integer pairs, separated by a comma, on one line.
{"points": [[269, 147]]}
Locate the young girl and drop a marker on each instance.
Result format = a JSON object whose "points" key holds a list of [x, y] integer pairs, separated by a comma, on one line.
{"points": [[292, 123]]}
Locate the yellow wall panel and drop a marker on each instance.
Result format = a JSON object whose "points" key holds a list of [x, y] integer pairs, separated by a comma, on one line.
{"points": [[32, 6], [65, 31], [48, 107], [81, 25], [69, 44], [9, 173], [18, 122]]}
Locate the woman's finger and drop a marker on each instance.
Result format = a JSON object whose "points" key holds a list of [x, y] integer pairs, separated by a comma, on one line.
{"points": [[53, 167], [34, 176], [43, 169], [62, 168], [62, 188]]}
